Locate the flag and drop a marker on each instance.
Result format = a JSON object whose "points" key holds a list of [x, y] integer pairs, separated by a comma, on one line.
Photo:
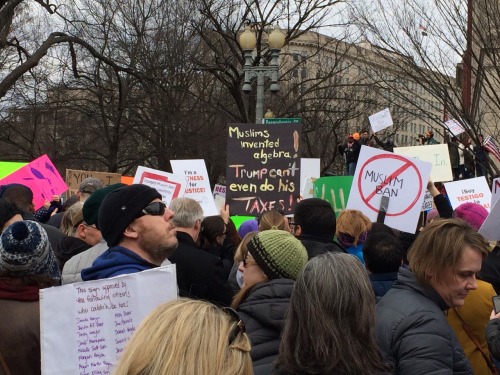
{"points": [[422, 29], [491, 146]]}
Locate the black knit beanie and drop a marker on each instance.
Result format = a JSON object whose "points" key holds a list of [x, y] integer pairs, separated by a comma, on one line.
{"points": [[120, 207], [91, 206]]}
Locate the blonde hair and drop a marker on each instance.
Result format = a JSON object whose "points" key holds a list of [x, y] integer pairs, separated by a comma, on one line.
{"points": [[354, 223], [440, 245], [272, 219], [189, 337], [72, 217]]}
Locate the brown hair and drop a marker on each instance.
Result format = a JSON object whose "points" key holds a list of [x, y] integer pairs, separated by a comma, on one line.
{"points": [[272, 219], [354, 223], [440, 246]]}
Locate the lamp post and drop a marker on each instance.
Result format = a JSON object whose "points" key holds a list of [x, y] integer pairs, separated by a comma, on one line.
{"points": [[248, 41]]}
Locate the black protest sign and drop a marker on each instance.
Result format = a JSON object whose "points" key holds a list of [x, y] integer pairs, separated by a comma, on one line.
{"points": [[263, 168]]}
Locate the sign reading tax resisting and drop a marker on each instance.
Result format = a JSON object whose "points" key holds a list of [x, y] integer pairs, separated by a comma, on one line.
{"points": [[263, 168]]}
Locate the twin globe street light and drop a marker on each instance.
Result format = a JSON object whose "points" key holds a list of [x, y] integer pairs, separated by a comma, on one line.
{"points": [[248, 42]]}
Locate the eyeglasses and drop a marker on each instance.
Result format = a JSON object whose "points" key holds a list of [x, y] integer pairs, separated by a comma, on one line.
{"points": [[154, 209], [292, 226], [238, 328], [246, 262]]}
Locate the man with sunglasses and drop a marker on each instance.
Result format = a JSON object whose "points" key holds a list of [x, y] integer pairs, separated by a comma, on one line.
{"points": [[138, 229]]}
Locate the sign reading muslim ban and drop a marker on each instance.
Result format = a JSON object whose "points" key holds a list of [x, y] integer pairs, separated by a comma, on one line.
{"points": [[263, 168], [402, 179]]}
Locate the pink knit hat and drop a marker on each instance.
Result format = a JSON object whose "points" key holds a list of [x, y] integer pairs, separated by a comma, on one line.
{"points": [[472, 213]]}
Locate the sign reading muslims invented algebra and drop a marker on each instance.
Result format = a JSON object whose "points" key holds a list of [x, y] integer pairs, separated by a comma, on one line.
{"points": [[263, 168]]}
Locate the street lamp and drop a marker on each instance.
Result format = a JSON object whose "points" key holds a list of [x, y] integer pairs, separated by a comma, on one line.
{"points": [[248, 41]]}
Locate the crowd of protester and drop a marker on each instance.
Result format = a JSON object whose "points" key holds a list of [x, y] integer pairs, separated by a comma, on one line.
{"points": [[305, 294]]}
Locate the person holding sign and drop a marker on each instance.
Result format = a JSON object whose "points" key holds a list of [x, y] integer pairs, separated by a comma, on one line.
{"points": [[139, 230], [412, 330], [188, 337], [350, 150], [27, 264]]}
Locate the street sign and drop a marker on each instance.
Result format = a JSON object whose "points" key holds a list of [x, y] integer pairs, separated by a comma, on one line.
{"points": [[293, 120]]}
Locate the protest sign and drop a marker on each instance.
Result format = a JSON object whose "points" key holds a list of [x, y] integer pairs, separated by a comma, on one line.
{"points": [[41, 177], [309, 167], [74, 178], [454, 127], [263, 170], [170, 186], [84, 327], [380, 120], [495, 191], [437, 155], [7, 167], [472, 190], [197, 183], [428, 203], [489, 229], [402, 179], [127, 180], [307, 190], [219, 196], [334, 189]]}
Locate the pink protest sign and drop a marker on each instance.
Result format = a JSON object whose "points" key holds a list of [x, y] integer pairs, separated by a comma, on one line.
{"points": [[41, 177]]}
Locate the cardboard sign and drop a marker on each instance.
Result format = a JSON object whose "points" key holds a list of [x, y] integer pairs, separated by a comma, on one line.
{"points": [[84, 327], [473, 190], [403, 180], [495, 191], [454, 127], [489, 229], [41, 177], [380, 120], [263, 170], [437, 155], [74, 178], [334, 189], [170, 186], [197, 183], [7, 167]]}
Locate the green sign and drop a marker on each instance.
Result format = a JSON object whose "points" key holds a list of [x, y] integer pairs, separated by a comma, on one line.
{"points": [[8, 167], [335, 190], [293, 120]]}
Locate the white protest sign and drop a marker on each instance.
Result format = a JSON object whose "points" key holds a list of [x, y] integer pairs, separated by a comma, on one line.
{"points": [[403, 180], [495, 191], [308, 189], [489, 229], [454, 127], [219, 196], [170, 186], [428, 203], [472, 190], [197, 183], [309, 167], [437, 155], [380, 120], [84, 327]]}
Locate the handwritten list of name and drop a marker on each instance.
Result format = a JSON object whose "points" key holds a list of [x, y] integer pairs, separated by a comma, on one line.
{"points": [[103, 315]]}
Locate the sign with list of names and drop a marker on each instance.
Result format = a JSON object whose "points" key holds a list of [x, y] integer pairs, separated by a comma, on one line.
{"points": [[84, 327], [263, 168]]}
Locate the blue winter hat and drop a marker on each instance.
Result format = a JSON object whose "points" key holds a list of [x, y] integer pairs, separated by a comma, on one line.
{"points": [[25, 251]]}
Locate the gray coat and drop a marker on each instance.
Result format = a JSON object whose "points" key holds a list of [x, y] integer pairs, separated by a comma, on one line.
{"points": [[413, 333]]}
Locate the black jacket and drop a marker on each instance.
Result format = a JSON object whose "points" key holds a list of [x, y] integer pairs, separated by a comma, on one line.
{"points": [[263, 312], [412, 331], [490, 270], [351, 152], [319, 245], [200, 275]]}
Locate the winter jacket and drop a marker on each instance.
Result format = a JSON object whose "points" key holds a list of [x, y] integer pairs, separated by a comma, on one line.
{"points": [[69, 247], [71, 272], [350, 151], [382, 282], [116, 261], [412, 331], [263, 312], [316, 245], [493, 337], [490, 269], [200, 275]]}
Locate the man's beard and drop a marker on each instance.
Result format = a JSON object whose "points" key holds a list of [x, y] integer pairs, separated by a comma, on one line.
{"points": [[158, 252]]}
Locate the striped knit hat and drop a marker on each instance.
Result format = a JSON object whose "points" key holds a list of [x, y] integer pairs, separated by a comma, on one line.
{"points": [[278, 253], [25, 251]]}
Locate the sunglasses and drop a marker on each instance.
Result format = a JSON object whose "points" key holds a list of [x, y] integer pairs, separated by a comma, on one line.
{"points": [[154, 209], [238, 328]]}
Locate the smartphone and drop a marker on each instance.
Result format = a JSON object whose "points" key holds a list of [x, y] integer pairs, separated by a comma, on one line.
{"points": [[496, 303]]}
